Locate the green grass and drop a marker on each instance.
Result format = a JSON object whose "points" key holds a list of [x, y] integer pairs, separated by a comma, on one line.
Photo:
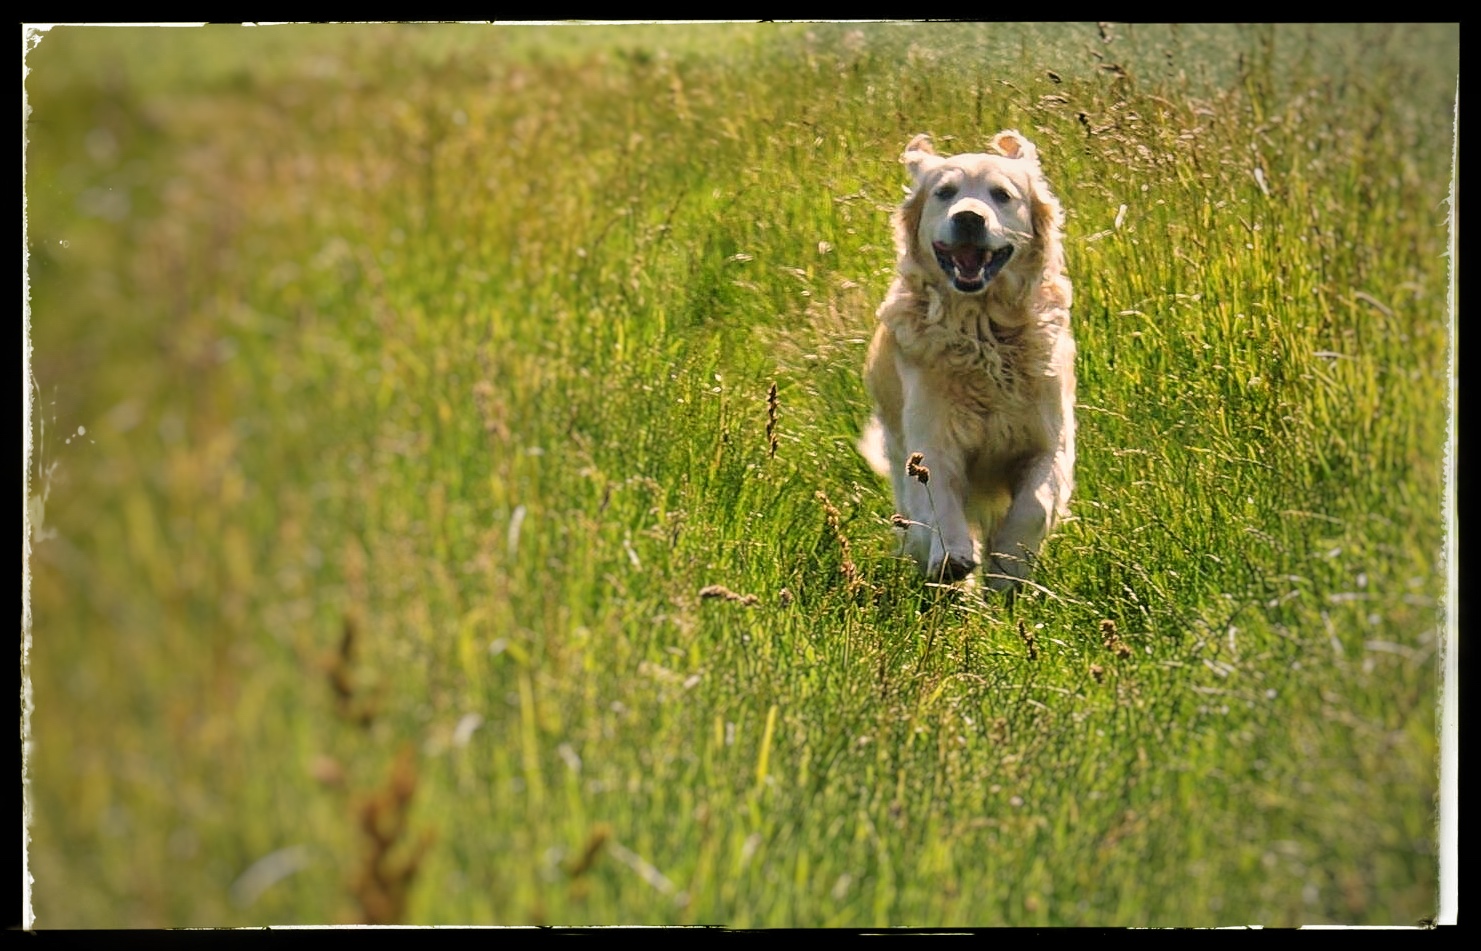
{"points": [[460, 339]]}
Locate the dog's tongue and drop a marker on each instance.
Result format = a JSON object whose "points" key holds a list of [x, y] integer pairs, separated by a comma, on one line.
{"points": [[969, 260]]}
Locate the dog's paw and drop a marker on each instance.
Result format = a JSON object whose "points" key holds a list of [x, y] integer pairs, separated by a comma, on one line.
{"points": [[1004, 574], [953, 567]]}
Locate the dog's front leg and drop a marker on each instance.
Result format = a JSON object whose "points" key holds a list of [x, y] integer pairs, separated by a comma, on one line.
{"points": [[939, 538], [1042, 492]]}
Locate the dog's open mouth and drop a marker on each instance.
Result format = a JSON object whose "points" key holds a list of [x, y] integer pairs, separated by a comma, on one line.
{"points": [[971, 266]]}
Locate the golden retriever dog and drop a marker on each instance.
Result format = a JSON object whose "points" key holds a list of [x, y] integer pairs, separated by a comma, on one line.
{"points": [[972, 365]]}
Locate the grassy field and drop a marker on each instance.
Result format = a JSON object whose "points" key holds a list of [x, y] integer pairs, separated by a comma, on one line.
{"points": [[398, 390]]}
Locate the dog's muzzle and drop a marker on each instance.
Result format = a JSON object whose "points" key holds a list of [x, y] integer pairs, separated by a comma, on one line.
{"points": [[966, 258], [971, 266]]}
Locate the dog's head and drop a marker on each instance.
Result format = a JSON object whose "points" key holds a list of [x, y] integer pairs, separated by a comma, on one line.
{"points": [[974, 218]]}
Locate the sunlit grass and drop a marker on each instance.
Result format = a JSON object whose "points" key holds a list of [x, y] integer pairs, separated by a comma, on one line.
{"points": [[461, 340]]}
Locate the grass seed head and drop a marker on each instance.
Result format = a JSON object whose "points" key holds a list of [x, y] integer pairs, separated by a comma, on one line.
{"points": [[1028, 641], [1111, 641], [835, 524], [1098, 672], [915, 470], [600, 833], [351, 701], [711, 591], [404, 777], [382, 883]]}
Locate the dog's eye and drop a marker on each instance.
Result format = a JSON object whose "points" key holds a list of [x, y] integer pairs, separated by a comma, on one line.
{"points": [[1000, 195], [946, 192]]}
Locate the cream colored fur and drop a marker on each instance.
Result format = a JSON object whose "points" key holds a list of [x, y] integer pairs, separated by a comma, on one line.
{"points": [[980, 382]]}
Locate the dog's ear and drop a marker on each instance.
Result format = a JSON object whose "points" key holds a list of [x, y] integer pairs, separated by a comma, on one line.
{"points": [[1011, 144], [1047, 215], [919, 157]]}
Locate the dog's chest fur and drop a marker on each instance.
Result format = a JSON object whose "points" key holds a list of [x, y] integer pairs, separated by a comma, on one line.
{"points": [[991, 375]]}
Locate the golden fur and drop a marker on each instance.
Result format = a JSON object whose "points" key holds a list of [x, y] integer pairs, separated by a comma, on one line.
{"points": [[978, 379]]}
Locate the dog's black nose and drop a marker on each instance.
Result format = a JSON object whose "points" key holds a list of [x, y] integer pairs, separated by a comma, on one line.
{"points": [[969, 227]]}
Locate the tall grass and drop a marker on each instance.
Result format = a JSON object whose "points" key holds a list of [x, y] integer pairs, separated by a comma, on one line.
{"points": [[425, 374]]}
